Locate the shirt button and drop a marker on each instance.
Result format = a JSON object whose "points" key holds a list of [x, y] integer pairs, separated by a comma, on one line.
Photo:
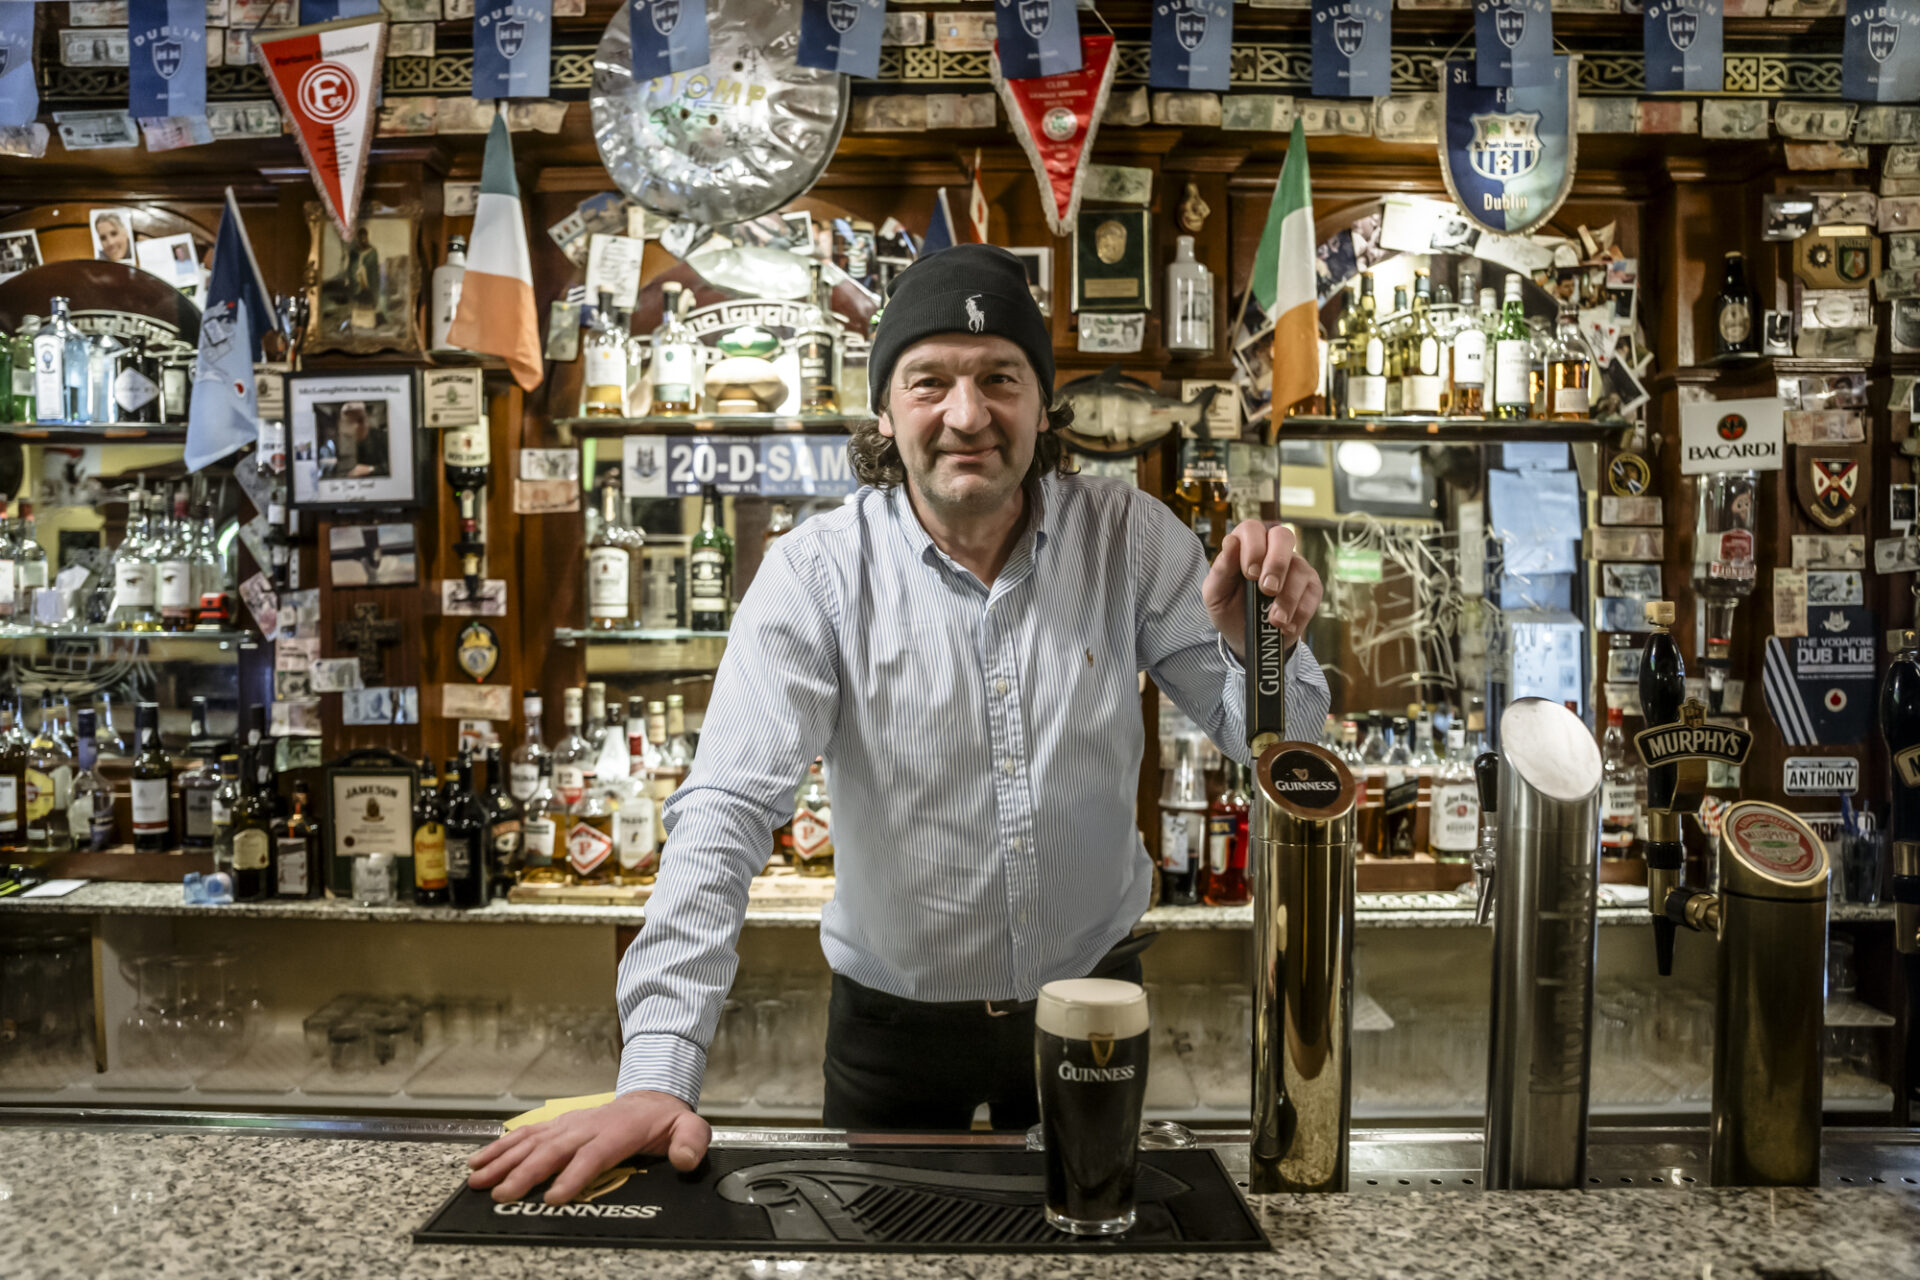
{"points": [[1001, 686], [1006, 766], [1016, 844]]}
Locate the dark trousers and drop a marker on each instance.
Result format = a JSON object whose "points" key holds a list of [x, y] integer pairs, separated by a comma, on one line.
{"points": [[897, 1064]]}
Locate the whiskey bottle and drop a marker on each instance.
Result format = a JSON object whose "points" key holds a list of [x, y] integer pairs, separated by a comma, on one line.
{"points": [[1223, 882], [298, 854], [226, 798], [543, 833], [466, 837], [1620, 785], [531, 756], [1470, 357], [1512, 355], [1455, 822], [504, 819], [1395, 329], [635, 822], [252, 835], [1202, 499], [197, 788], [679, 751], [710, 569], [429, 842], [152, 779], [1335, 373], [813, 825], [613, 580], [90, 809], [676, 371], [1366, 357], [604, 393], [15, 745], [1733, 330], [573, 757], [1569, 367], [590, 840], [1402, 793], [816, 347]]}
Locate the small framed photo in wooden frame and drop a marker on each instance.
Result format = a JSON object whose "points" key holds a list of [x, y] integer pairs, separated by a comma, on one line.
{"points": [[352, 440]]}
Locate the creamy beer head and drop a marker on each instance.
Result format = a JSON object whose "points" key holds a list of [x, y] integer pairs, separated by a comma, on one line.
{"points": [[1089, 1008]]}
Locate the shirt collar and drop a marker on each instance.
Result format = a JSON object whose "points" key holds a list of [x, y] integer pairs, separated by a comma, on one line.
{"points": [[921, 542]]}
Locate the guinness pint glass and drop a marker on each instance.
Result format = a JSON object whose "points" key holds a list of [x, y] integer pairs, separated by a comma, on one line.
{"points": [[1090, 1057]]}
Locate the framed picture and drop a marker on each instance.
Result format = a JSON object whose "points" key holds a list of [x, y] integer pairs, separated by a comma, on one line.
{"points": [[19, 251], [352, 442], [370, 814], [1039, 264], [364, 296], [112, 234]]}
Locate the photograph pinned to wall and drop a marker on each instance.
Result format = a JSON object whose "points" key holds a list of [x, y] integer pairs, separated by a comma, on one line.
{"points": [[1787, 217], [112, 235], [364, 295], [352, 440], [19, 251], [1039, 264], [372, 555], [1335, 263], [173, 259]]}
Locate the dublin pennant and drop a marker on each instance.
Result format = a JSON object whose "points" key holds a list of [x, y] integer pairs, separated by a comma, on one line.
{"points": [[1682, 40], [316, 11], [1192, 45], [1512, 42], [327, 81], [1880, 58], [1352, 48], [512, 43], [842, 35], [668, 36], [167, 58], [1507, 153], [19, 92], [1055, 118], [1036, 38]]}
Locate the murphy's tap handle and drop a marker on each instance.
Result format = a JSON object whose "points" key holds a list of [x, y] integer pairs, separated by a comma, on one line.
{"points": [[1266, 675], [1663, 691]]}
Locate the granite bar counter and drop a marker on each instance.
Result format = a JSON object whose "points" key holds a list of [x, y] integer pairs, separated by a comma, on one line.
{"points": [[233, 1200]]}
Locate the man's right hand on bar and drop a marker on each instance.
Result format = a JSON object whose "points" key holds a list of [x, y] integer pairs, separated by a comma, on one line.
{"points": [[581, 1145]]}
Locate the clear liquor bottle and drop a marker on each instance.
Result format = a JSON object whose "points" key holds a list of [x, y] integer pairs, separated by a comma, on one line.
{"points": [[174, 571], [90, 820], [813, 825], [596, 728], [661, 782], [1395, 327], [678, 755], [613, 574], [543, 833], [1512, 355], [60, 383], [29, 565], [1183, 825], [49, 788], [531, 756], [572, 755], [21, 345], [135, 574], [636, 822], [1724, 565], [817, 345], [604, 390], [590, 839], [1470, 357], [1366, 357], [1189, 301], [1402, 792], [1621, 782], [1422, 379], [448, 278], [676, 371], [1569, 367], [226, 798]]}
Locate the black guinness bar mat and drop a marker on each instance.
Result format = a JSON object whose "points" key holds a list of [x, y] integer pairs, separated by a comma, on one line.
{"points": [[901, 1199]]}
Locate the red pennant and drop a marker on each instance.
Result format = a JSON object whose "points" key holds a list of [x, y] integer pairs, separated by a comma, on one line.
{"points": [[327, 78], [1055, 118]]}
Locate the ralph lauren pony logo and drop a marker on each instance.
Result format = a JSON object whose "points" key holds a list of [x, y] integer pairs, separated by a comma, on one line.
{"points": [[1189, 25], [1349, 36], [1682, 27]]}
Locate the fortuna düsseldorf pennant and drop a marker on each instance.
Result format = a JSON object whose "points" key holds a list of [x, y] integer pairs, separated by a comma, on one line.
{"points": [[1055, 118], [327, 78]]}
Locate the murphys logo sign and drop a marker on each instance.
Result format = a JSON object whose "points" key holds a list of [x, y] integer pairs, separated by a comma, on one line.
{"points": [[1691, 737], [1507, 153]]}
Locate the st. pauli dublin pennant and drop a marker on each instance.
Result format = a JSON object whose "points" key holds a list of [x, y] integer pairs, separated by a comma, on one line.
{"points": [[1055, 118], [842, 35], [1507, 152], [667, 36], [167, 58], [1192, 45], [1682, 40], [1880, 58], [1036, 38], [19, 92], [512, 44], [1352, 48], [313, 12], [327, 80], [1512, 42]]}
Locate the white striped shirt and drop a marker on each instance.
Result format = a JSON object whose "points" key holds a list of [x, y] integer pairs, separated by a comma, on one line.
{"points": [[983, 747]]}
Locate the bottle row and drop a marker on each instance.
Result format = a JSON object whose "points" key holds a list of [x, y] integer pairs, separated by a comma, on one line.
{"points": [[630, 584], [58, 374], [1433, 357]]}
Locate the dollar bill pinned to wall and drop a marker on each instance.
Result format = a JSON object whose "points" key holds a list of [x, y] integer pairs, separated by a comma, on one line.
{"points": [[1192, 110], [1733, 118], [410, 40], [1899, 187], [96, 130], [1904, 283], [1824, 426], [1814, 121], [1901, 161], [462, 115], [171, 133], [1879, 124], [97, 13], [536, 115], [1818, 157], [1806, 8], [889, 113], [1903, 251], [962, 111], [1836, 344], [1665, 115], [957, 32], [1117, 184], [1844, 208], [904, 31], [1605, 115], [408, 118], [1407, 117], [26, 141], [1899, 213], [98, 47], [1257, 112], [1329, 117], [1829, 551], [256, 118]]}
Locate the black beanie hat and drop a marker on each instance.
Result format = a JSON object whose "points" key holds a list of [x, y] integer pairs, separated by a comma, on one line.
{"points": [[970, 288]]}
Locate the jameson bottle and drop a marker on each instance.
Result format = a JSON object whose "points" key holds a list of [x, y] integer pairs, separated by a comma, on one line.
{"points": [[297, 850], [710, 569], [1733, 331]]}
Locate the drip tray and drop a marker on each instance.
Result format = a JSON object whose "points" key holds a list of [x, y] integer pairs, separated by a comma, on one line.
{"points": [[901, 1199]]}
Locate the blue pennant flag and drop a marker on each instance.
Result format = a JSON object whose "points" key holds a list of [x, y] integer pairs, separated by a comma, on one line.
{"points": [[19, 93], [512, 44], [1352, 48], [222, 415], [1507, 151], [1880, 60], [1036, 37], [1512, 43], [167, 58], [842, 35], [312, 11], [1192, 45], [1682, 40], [668, 36], [939, 227]]}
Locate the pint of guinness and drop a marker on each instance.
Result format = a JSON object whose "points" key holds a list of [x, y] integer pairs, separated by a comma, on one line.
{"points": [[1090, 1060]]}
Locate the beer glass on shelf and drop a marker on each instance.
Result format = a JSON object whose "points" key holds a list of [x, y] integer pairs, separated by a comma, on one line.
{"points": [[1090, 1060]]}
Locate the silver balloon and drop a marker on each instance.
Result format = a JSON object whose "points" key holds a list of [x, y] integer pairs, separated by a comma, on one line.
{"points": [[732, 140]]}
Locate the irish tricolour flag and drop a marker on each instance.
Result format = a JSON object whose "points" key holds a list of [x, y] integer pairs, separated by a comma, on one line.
{"points": [[496, 313], [1283, 280]]}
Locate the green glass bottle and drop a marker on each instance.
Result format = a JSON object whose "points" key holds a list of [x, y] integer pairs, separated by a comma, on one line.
{"points": [[710, 570]]}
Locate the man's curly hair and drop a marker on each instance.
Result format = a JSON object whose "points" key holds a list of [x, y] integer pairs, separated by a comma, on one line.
{"points": [[876, 459]]}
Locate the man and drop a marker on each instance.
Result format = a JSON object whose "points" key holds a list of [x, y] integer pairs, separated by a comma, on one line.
{"points": [[962, 642]]}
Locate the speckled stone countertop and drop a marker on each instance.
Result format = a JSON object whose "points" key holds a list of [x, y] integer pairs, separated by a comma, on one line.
{"points": [[103, 1204], [1374, 911]]}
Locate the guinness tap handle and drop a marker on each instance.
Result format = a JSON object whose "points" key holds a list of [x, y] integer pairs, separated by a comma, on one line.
{"points": [[1266, 675]]}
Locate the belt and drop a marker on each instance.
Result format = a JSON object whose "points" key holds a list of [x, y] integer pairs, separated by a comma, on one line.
{"points": [[1119, 956]]}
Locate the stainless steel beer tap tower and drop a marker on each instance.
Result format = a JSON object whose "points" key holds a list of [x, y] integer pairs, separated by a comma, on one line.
{"points": [[1543, 889], [1301, 858], [1770, 920]]}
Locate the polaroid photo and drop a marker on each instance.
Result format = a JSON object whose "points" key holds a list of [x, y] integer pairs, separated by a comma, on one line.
{"points": [[112, 235], [19, 251], [1905, 336], [372, 555], [1787, 217], [172, 258]]}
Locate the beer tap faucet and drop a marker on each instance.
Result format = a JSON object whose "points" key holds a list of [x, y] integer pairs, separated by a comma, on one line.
{"points": [[1301, 857], [1672, 788], [1486, 779], [1900, 724]]}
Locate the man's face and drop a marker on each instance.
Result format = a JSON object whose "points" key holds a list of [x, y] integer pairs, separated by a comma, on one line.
{"points": [[965, 411]]}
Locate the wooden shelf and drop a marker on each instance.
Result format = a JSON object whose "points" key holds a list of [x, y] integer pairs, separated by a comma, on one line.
{"points": [[1451, 431], [97, 432], [634, 635], [225, 639], [738, 424]]}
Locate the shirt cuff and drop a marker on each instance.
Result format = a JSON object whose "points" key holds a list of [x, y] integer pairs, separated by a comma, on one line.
{"points": [[1228, 656], [664, 1063]]}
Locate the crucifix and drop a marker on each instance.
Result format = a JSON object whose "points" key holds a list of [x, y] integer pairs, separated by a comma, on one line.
{"points": [[366, 635]]}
